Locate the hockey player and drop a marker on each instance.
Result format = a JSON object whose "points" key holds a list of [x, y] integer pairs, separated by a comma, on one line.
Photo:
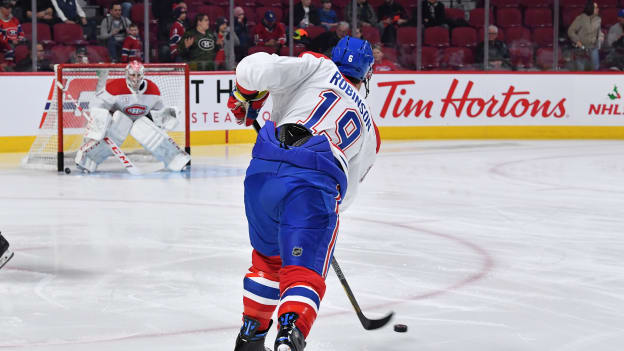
{"points": [[5, 253], [306, 164], [131, 105]]}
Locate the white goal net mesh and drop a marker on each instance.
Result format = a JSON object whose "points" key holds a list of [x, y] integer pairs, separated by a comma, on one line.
{"points": [[79, 84]]}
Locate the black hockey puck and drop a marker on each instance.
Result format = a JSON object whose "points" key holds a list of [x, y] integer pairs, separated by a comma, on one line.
{"points": [[67, 170], [400, 328]]}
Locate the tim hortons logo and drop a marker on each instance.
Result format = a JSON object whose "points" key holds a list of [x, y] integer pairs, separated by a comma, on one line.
{"points": [[510, 102]]}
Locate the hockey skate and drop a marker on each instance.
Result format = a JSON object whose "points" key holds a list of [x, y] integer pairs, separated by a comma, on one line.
{"points": [[5, 253], [289, 338], [250, 338]]}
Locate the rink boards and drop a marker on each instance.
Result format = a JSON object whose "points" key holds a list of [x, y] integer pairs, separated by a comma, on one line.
{"points": [[405, 105]]}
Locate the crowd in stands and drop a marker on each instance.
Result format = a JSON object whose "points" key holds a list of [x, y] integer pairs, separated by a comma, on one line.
{"points": [[520, 34]]}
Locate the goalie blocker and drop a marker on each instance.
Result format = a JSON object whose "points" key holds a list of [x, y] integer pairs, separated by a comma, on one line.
{"points": [[140, 112]]}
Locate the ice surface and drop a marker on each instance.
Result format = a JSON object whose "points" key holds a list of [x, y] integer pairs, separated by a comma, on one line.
{"points": [[476, 245]]}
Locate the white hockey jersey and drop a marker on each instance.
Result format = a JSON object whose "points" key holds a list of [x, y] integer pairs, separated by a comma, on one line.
{"points": [[118, 97], [311, 91]]}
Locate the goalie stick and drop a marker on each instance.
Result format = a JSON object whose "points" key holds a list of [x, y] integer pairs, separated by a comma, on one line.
{"points": [[367, 323], [115, 149]]}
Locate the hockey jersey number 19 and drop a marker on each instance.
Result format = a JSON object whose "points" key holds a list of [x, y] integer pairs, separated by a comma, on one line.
{"points": [[310, 90]]}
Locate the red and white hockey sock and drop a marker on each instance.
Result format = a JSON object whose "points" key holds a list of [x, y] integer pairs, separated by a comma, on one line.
{"points": [[302, 292], [261, 288]]}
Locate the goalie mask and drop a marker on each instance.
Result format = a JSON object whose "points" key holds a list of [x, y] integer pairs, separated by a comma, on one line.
{"points": [[135, 72]]}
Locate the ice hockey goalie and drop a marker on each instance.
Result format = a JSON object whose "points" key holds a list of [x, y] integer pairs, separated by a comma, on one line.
{"points": [[131, 106]]}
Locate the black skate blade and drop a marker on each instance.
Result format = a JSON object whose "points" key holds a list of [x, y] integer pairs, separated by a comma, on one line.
{"points": [[371, 324], [4, 259]]}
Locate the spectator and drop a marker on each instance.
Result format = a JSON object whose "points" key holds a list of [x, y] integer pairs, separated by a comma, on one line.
{"points": [[43, 62], [327, 16], [199, 46], [391, 15], [585, 34], [177, 31], [113, 30], [305, 14], [132, 48], [223, 40], [325, 42], [365, 13], [498, 53], [615, 39], [269, 32], [126, 7], [79, 55], [45, 11], [432, 14], [70, 11], [240, 27], [381, 64], [459, 4], [11, 32], [163, 12]]}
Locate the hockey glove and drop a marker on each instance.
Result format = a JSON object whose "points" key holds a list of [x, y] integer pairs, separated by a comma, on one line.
{"points": [[246, 106], [167, 118]]}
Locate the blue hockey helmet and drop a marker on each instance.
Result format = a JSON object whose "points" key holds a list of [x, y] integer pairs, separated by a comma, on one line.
{"points": [[354, 57]]}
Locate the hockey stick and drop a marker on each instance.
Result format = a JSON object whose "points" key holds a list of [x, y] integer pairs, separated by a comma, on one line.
{"points": [[367, 323], [116, 150]]}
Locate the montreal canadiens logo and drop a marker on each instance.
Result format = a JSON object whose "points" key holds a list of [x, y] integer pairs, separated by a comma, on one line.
{"points": [[206, 44], [135, 110]]}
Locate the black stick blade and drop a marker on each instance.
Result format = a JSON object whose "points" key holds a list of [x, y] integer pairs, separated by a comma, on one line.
{"points": [[371, 324]]}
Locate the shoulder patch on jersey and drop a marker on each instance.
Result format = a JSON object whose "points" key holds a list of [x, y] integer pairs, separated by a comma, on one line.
{"points": [[117, 86], [152, 88], [315, 54]]}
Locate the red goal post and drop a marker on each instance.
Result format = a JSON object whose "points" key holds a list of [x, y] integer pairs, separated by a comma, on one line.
{"points": [[63, 122]]}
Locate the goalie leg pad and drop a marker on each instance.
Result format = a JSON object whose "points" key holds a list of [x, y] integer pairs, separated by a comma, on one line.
{"points": [[98, 125], [91, 154], [120, 127], [95, 151], [156, 141]]}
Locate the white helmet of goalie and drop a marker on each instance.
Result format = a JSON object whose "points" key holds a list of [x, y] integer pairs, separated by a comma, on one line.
{"points": [[135, 72]]}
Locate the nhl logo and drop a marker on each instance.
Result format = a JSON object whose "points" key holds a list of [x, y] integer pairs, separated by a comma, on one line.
{"points": [[297, 251]]}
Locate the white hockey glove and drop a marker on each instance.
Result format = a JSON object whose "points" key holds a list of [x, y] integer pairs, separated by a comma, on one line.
{"points": [[167, 118]]}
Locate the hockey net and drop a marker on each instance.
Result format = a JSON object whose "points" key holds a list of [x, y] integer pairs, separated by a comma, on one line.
{"points": [[64, 120]]}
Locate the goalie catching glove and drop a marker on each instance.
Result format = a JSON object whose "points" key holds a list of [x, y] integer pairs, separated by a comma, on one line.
{"points": [[167, 118], [246, 104]]}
